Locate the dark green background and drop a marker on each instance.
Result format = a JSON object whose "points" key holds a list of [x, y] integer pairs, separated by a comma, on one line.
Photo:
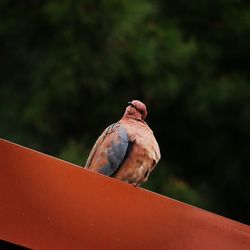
{"points": [[68, 68]]}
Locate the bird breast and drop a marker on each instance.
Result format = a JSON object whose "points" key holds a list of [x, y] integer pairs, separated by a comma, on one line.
{"points": [[143, 155]]}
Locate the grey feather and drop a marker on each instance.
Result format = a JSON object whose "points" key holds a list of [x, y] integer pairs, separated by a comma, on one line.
{"points": [[116, 153]]}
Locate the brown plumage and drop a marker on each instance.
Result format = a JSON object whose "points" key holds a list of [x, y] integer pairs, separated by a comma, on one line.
{"points": [[126, 150]]}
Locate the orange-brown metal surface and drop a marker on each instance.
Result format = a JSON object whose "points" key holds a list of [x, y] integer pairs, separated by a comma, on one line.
{"points": [[46, 203]]}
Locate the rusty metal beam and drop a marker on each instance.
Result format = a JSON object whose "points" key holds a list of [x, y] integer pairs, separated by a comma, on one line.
{"points": [[47, 203]]}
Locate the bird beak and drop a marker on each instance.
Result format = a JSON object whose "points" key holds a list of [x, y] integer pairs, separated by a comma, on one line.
{"points": [[131, 104]]}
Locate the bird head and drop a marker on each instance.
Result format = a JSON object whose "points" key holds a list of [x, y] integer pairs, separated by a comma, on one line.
{"points": [[136, 110]]}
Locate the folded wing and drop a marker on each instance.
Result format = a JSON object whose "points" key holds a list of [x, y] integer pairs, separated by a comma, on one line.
{"points": [[109, 151]]}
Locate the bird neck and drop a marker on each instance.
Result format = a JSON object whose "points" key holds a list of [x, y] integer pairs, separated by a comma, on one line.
{"points": [[134, 119]]}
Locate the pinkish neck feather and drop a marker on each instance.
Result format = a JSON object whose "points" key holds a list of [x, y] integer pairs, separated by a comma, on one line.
{"points": [[131, 113]]}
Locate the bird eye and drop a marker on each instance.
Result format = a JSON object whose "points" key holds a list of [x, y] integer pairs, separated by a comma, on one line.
{"points": [[132, 105]]}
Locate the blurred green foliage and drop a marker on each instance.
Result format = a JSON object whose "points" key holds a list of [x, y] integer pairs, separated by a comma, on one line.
{"points": [[68, 69]]}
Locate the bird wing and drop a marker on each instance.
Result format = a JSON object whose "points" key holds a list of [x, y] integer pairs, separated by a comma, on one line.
{"points": [[109, 150], [96, 146]]}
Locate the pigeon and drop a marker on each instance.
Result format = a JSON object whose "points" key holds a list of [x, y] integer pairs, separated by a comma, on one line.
{"points": [[126, 150]]}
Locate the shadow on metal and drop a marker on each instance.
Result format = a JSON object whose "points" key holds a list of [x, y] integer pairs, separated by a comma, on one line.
{"points": [[47, 203], [5, 245]]}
